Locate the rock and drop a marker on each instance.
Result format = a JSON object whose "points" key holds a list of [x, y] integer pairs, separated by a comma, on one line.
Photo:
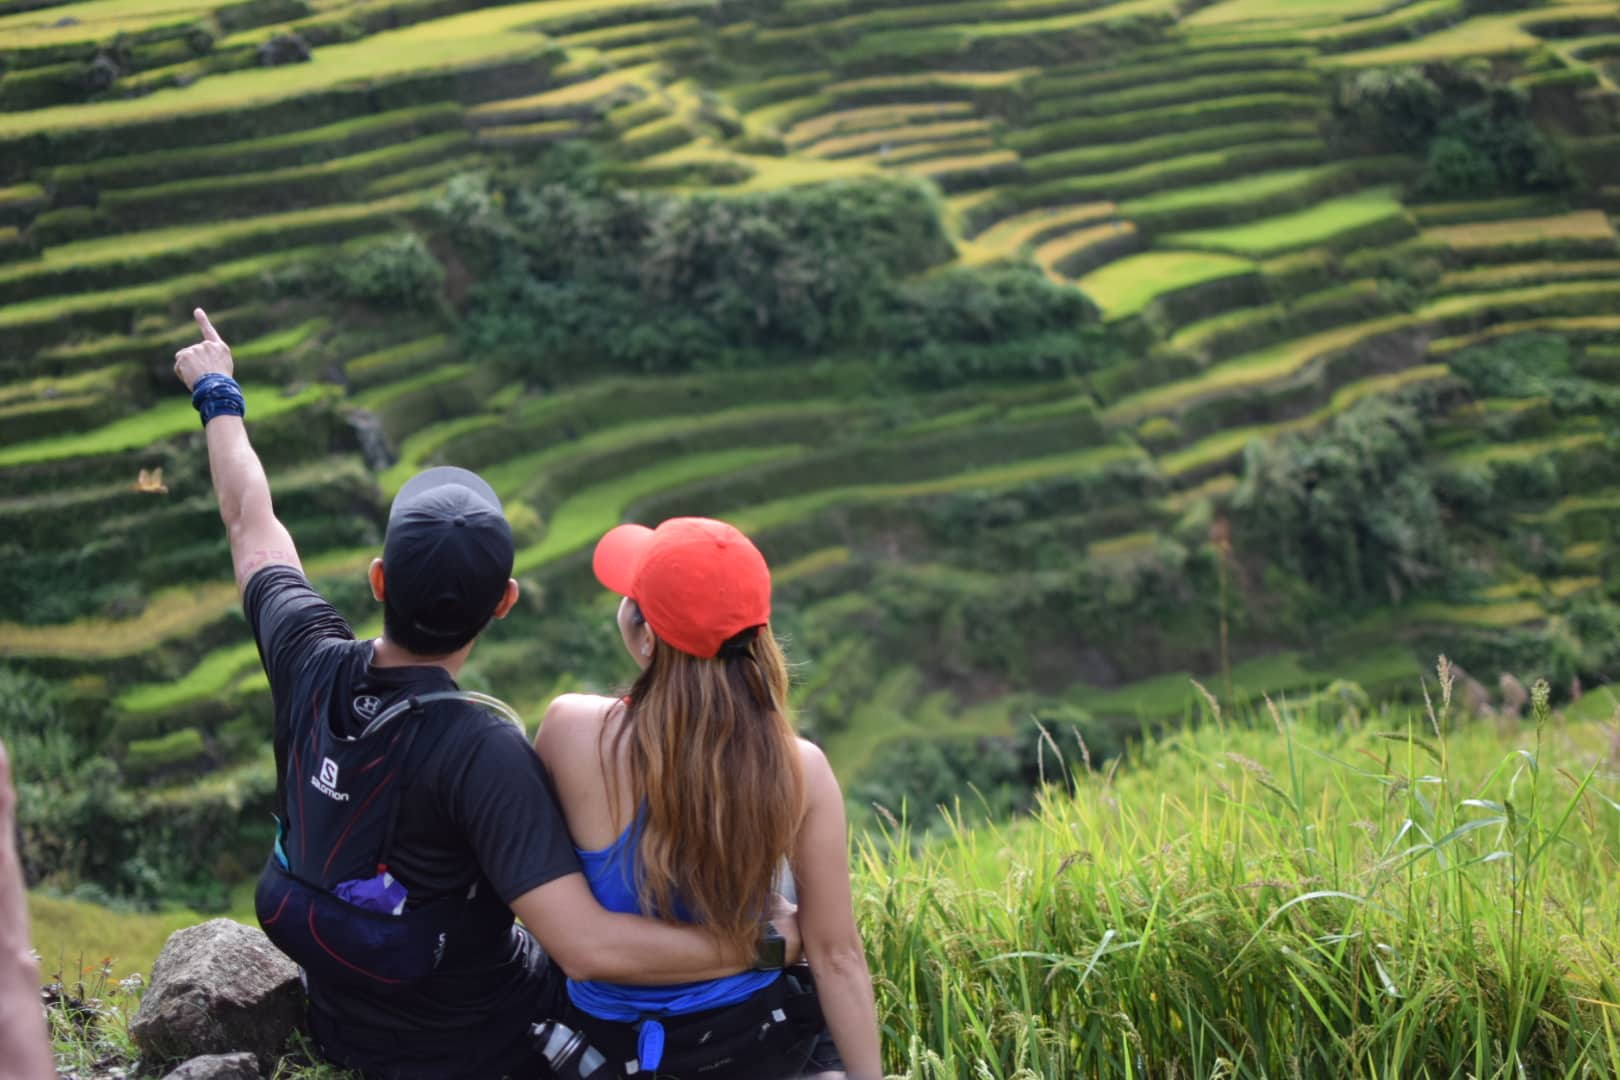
{"points": [[243, 1066], [218, 988]]}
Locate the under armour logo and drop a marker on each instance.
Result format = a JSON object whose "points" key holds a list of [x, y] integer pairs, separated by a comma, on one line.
{"points": [[367, 705]]}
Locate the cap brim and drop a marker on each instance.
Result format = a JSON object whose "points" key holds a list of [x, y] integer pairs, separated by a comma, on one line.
{"points": [[430, 479], [618, 557]]}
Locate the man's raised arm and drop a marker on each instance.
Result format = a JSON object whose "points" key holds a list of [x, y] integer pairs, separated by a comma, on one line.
{"points": [[257, 538]]}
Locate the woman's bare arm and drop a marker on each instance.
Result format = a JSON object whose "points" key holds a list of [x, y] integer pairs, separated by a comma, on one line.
{"points": [[832, 942]]}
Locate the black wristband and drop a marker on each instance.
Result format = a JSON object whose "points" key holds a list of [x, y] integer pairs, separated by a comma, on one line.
{"points": [[217, 395]]}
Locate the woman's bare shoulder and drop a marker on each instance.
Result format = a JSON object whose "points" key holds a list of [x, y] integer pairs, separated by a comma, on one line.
{"points": [[813, 756], [573, 722], [819, 781], [580, 709]]}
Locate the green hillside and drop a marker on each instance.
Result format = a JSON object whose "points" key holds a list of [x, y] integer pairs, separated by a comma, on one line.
{"points": [[1055, 350]]}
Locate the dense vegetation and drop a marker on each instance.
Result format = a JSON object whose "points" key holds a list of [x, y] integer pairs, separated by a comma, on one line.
{"points": [[1314, 890], [569, 281]]}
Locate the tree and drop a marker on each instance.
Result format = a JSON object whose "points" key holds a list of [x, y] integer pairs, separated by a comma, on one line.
{"points": [[1351, 510]]}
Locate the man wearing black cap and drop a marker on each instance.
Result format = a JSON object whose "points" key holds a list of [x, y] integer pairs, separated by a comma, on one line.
{"points": [[471, 828]]}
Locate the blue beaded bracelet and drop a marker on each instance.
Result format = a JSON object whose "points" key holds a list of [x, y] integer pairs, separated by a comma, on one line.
{"points": [[217, 395]]}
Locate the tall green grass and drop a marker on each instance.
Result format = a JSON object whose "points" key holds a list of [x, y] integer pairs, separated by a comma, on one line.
{"points": [[1302, 891], [1276, 896]]}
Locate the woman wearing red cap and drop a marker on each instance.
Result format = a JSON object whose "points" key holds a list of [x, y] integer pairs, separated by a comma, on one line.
{"points": [[684, 799]]}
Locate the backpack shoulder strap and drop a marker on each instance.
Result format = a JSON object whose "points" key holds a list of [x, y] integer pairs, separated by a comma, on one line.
{"points": [[413, 704]]}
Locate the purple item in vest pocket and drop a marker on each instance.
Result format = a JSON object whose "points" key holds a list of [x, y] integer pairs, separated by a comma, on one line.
{"points": [[381, 894]]}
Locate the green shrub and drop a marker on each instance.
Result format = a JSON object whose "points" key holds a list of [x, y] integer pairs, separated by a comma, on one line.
{"points": [[576, 279], [1351, 509], [398, 272], [929, 771], [722, 172], [1009, 320], [41, 748], [1392, 108], [1531, 366], [1477, 137], [1488, 149], [82, 826]]}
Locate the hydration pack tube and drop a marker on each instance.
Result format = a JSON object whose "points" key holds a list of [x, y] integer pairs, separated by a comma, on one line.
{"points": [[339, 943], [410, 704]]}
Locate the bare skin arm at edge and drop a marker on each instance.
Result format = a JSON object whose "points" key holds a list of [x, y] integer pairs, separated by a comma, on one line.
{"points": [[258, 538], [27, 1053], [832, 941]]}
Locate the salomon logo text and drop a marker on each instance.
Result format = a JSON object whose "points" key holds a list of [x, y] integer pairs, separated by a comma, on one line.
{"points": [[326, 783]]}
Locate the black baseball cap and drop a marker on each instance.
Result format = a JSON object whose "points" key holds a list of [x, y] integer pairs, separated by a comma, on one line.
{"points": [[447, 556]]}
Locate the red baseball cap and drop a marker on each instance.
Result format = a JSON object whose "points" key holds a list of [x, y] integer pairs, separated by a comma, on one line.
{"points": [[699, 582]]}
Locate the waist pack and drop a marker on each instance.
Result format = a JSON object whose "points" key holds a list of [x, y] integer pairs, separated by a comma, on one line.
{"points": [[325, 896], [765, 1037], [346, 945]]}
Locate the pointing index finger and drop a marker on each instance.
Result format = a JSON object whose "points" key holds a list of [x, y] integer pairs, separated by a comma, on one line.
{"points": [[207, 328]]}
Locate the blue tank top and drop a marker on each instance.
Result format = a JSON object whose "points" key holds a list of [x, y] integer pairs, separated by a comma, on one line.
{"points": [[610, 873]]}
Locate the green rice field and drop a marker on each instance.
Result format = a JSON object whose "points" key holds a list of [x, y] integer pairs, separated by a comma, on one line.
{"points": [[1126, 287]]}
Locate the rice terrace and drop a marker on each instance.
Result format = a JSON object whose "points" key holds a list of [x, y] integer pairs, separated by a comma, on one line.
{"points": [[1183, 432]]}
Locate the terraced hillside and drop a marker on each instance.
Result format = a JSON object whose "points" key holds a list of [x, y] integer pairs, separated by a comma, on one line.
{"points": [[953, 559]]}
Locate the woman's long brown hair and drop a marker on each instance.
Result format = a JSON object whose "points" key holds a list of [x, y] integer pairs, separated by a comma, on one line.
{"points": [[714, 765]]}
